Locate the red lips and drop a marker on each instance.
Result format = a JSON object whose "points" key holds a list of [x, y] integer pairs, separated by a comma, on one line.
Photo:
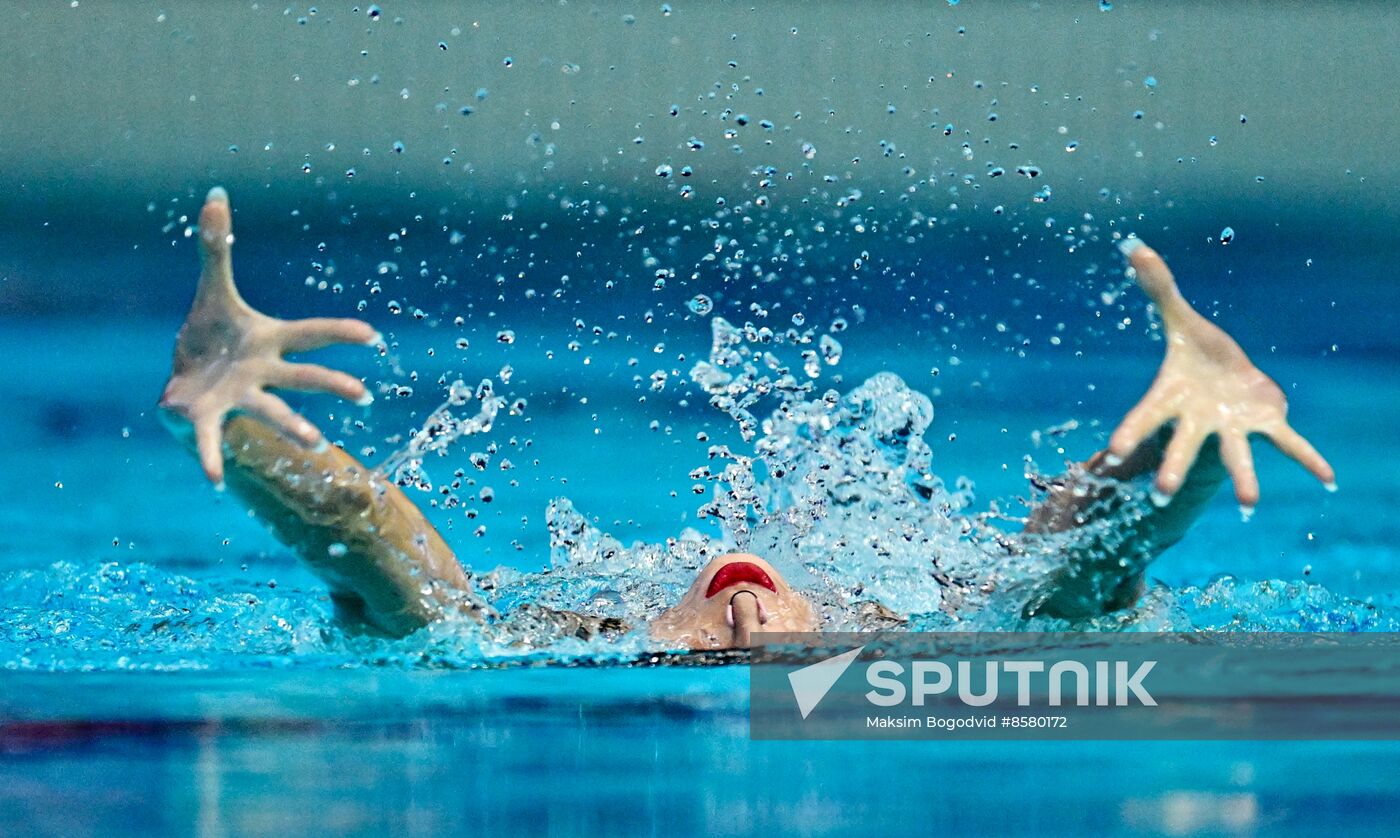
{"points": [[737, 572]]}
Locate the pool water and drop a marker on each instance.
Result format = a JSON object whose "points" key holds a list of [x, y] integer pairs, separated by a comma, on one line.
{"points": [[165, 666], [925, 195]]}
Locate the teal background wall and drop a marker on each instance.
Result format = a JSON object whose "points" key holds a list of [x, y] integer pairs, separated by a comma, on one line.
{"points": [[117, 116], [129, 102]]}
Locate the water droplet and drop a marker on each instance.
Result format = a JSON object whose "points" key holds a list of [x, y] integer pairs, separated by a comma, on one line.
{"points": [[1227, 235], [831, 350]]}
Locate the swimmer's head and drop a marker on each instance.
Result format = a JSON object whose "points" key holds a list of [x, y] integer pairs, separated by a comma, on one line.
{"points": [[733, 596]]}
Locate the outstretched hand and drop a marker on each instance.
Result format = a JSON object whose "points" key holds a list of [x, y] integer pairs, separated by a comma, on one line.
{"points": [[1206, 386], [228, 355]]}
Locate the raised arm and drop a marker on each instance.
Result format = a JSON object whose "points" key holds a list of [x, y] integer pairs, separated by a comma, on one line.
{"points": [[1192, 429], [384, 563], [227, 355]]}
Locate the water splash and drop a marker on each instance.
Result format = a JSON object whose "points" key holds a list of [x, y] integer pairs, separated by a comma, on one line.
{"points": [[836, 489], [443, 428]]}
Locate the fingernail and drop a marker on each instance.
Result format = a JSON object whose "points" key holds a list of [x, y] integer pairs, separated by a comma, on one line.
{"points": [[217, 194], [376, 339], [1331, 487], [1160, 498], [366, 400], [219, 487], [1128, 245], [1246, 512], [1112, 460]]}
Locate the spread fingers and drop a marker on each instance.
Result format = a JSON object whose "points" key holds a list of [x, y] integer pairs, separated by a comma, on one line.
{"points": [[314, 378], [1140, 422], [1177, 461], [277, 413], [1296, 446], [316, 332], [216, 233], [209, 440], [1239, 461]]}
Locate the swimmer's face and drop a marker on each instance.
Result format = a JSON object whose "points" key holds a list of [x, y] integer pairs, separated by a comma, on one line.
{"points": [[733, 596]]}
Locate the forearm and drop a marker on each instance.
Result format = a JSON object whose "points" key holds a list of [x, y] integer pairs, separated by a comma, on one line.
{"points": [[356, 531], [1212, 398], [1121, 535]]}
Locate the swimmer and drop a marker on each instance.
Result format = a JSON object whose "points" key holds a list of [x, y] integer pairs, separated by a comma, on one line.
{"points": [[390, 572]]}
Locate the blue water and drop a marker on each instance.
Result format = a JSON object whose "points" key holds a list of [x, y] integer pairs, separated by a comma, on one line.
{"points": [[165, 666]]}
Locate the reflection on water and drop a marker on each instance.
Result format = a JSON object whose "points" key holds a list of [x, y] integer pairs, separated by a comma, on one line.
{"points": [[280, 753]]}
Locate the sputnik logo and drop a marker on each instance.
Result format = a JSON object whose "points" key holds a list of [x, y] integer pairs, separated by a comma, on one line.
{"points": [[810, 684]]}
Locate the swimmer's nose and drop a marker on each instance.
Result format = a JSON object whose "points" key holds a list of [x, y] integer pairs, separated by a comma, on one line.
{"points": [[745, 615]]}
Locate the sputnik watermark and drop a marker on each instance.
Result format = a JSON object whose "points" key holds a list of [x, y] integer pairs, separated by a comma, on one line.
{"points": [[1099, 686], [1110, 681], [810, 684], [934, 678]]}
